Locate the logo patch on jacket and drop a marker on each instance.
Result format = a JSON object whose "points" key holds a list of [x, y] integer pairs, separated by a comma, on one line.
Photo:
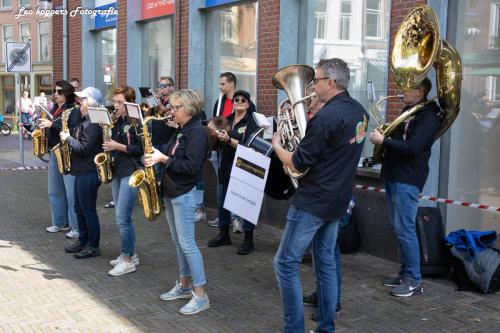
{"points": [[360, 134], [242, 130]]}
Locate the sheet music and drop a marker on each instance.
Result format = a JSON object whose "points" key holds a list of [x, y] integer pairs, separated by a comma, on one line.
{"points": [[133, 111], [98, 115]]}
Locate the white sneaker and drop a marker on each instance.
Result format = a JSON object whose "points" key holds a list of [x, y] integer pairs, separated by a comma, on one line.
{"points": [[200, 215], [54, 228], [237, 226], [73, 233], [213, 223], [135, 260], [122, 268]]}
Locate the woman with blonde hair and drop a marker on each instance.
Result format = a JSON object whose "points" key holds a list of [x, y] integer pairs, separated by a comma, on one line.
{"points": [[183, 157]]}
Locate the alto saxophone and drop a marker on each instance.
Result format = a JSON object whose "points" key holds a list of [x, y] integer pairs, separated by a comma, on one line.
{"points": [[145, 179], [103, 160], [62, 150], [40, 142]]}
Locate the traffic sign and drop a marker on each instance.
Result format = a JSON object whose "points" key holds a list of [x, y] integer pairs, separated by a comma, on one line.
{"points": [[18, 57]]}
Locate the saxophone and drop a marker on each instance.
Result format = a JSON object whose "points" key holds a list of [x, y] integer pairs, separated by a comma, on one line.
{"points": [[62, 150], [103, 160], [40, 141], [145, 179]]}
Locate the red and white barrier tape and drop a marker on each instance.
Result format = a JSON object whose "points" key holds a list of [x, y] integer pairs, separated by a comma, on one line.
{"points": [[25, 168], [436, 199]]}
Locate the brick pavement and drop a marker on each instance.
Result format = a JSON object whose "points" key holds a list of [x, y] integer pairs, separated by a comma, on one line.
{"points": [[45, 290]]}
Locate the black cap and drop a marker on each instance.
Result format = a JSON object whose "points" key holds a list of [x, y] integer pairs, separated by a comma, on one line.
{"points": [[243, 93]]}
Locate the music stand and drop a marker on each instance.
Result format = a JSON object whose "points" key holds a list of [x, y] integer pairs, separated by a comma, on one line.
{"points": [[99, 115], [152, 101], [145, 91]]}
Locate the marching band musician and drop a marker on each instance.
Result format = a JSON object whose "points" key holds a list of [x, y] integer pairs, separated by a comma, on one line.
{"points": [[183, 159], [161, 131], [242, 124], [405, 167], [126, 148], [330, 149], [61, 188], [86, 143]]}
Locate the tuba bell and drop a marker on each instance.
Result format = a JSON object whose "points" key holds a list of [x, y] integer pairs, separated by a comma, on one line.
{"points": [[292, 120], [418, 47]]}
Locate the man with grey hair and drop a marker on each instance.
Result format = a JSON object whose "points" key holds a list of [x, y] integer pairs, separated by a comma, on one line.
{"points": [[330, 151]]}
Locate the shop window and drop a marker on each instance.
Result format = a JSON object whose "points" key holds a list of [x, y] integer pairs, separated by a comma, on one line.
{"points": [[158, 50], [231, 41], [106, 63]]}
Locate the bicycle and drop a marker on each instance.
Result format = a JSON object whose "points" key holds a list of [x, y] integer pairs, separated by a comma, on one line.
{"points": [[5, 128]]}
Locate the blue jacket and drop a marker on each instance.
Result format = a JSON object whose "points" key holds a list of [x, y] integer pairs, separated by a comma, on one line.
{"points": [[471, 241]]}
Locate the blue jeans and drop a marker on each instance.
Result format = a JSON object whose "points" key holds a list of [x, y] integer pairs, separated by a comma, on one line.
{"points": [[402, 203], [124, 198], [180, 218], [61, 190], [301, 229], [225, 215], [86, 188], [198, 193]]}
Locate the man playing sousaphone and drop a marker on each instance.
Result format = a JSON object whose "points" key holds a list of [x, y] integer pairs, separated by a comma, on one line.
{"points": [[405, 167]]}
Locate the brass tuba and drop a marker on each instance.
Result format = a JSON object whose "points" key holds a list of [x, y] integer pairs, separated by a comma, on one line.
{"points": [[103, 161], [145, 179], [62, 150], [417, 47], [292, 120], [40, 142]]}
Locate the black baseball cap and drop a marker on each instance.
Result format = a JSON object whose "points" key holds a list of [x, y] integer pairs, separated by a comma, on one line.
{"points": [[243, 93]]}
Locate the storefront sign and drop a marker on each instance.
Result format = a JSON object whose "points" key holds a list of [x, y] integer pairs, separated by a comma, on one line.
{"points": [[212, 3], [155, 8], [105, 20]]}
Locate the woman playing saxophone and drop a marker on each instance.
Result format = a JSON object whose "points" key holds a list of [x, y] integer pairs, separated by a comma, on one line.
{"points": [[126, 149], [85, 142], [61, 188]]}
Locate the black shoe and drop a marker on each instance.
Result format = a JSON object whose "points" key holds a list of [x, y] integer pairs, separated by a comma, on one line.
{"points": [[221, 239], [311, 299], [110, 205], [89, 252], [247, 246], [76, 247]]}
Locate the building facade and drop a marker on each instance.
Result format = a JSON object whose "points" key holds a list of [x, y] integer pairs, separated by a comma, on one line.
{"points": [[25, 28], [193, 41]]}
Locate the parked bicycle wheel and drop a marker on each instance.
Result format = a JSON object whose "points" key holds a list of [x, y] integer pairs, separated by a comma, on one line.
{"points": [[5, 129]]}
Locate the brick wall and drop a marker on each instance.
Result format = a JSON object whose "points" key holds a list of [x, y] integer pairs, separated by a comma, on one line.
{"points": [[268, 52], [399, 10], [121, 43], [74, 42], [57, 43], [181, 43]]}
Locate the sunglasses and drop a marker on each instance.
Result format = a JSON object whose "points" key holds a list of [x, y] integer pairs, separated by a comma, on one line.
{"points": [[58, 91], [163, 85], [240, 100]]}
